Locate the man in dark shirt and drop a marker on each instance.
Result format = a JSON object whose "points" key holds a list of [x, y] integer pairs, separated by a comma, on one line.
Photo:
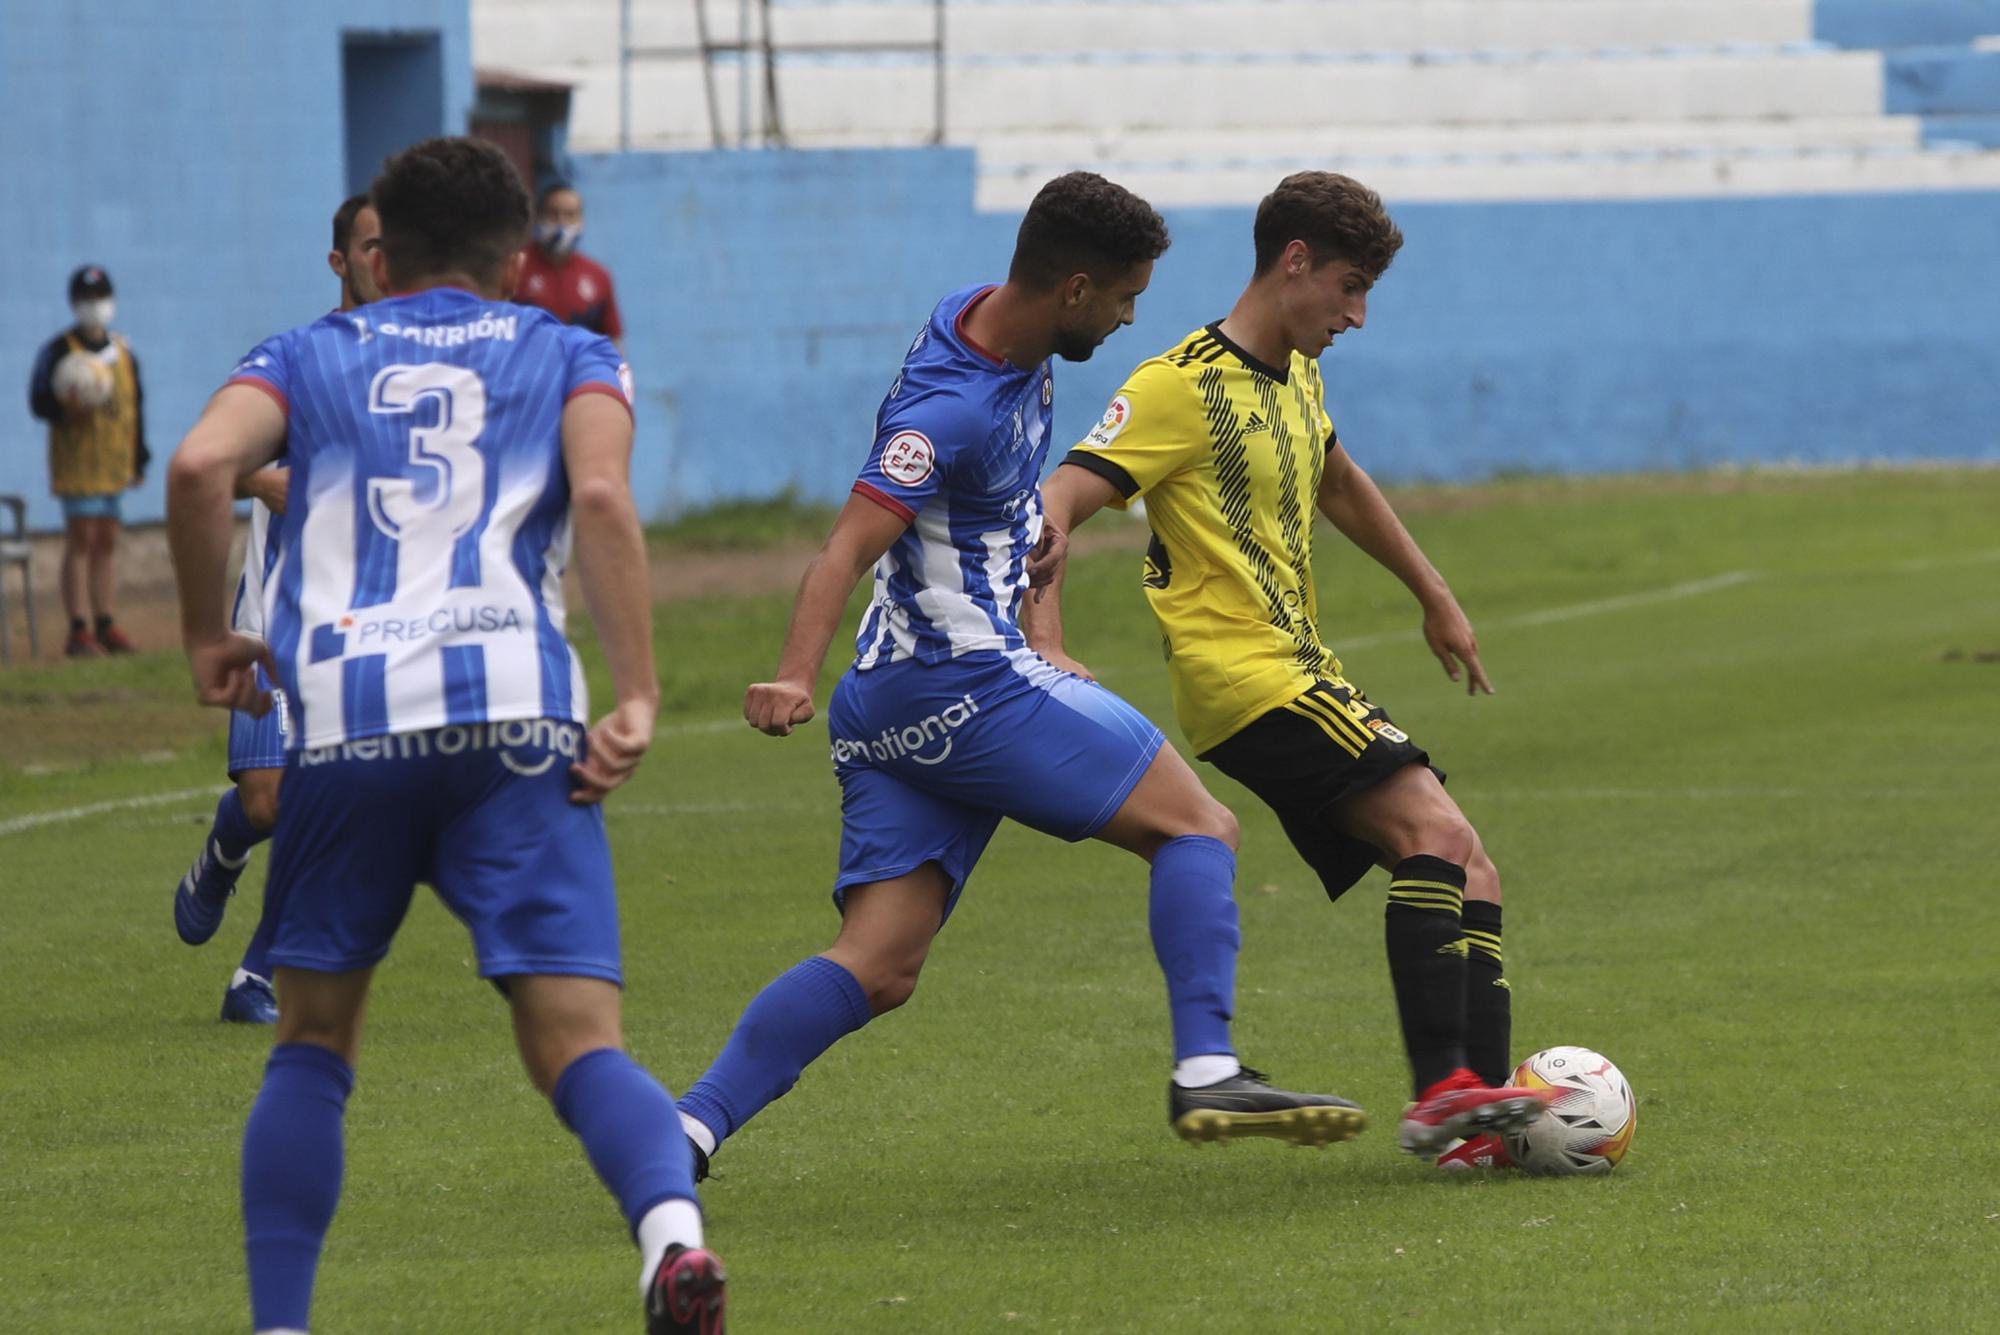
{"points": [[562, 280]]}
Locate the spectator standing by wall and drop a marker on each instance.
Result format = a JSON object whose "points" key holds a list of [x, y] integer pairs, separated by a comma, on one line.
{"points": [[562, 280], [85, 385]]}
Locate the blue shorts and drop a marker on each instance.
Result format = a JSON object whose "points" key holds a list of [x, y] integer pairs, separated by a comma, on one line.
{"points": [[93, 507], [260, 743], [482, 813], [930, 758]]}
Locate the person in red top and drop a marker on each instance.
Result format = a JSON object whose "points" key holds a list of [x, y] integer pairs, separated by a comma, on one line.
{"points": [[564, 282]]}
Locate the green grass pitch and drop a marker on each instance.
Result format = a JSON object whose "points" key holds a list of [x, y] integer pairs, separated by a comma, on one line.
{"points": [[1740, 780]]}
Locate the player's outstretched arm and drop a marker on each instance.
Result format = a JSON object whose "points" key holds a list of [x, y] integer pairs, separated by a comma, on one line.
{"points": [[611, 565], [860, 535], [242, 428], [1069, 497], [1350, 498]]}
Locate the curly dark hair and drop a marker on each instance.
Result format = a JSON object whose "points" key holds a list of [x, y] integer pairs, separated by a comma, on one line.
{"points": [[1082, 223], [1335, 215], [453, 205]]}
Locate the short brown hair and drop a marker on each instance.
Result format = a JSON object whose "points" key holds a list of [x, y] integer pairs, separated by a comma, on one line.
{"points": [[1082, 223], [453, 205], [343, 220], [1335, 215]]}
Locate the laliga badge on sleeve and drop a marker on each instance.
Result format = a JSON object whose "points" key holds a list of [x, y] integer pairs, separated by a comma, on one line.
{"points": [[1114, 420]]}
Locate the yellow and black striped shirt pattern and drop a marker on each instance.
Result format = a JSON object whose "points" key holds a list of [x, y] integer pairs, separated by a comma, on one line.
{"points": [[1228, 454], [1341, 715]]}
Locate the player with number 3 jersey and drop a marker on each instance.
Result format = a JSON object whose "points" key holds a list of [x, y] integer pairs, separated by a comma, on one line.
{"points": [[444, 444]]}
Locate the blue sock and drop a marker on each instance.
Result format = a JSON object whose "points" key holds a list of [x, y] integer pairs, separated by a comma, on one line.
{"points": [[293, 1157], [625, 1119], [799, 1014], [233, 830], [1195, 937], [256, 955]]}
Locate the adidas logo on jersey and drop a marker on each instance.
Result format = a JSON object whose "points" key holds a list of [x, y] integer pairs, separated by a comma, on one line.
{"points": [[1256, 423]]}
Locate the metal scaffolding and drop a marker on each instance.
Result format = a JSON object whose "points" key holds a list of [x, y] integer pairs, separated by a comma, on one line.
{"points": [[754, 41]]}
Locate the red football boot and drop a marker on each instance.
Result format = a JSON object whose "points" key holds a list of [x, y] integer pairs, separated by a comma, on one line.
{"points": [[1462, 1106], [1479, 1152]]}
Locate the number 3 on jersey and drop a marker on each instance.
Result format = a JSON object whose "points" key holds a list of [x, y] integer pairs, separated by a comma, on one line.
{"points": [[457, 491]]}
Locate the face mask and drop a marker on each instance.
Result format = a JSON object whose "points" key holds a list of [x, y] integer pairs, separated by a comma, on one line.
{"points": [[94, 313], [558, 239]]}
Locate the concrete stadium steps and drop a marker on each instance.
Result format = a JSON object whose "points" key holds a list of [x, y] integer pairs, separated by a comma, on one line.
{"points": [[1664, 174], [1253, 91], [1207, 102], [1013, 27], [835, 102], [1019, 64], [1444, 142]]}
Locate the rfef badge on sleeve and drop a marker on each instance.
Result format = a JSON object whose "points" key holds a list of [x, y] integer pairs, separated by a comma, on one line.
{"points": [[908, 458]]}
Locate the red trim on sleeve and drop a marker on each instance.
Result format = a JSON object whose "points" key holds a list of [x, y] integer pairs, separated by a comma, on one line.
{"points": [[284, 404], [886, 501], [599, 387], [958, 327]]}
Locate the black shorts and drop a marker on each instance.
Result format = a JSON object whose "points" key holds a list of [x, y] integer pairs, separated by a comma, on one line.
{"points": [[1304, 756]]}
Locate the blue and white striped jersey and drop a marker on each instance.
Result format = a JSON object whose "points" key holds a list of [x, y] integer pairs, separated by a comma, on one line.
{"points": [[959, 447], [259, 555], [427, 527]]}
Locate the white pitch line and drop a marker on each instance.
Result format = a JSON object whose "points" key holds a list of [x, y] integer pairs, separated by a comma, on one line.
{"points": [[1693, 588], [1924, 565], [41, 818], [63, 815]]}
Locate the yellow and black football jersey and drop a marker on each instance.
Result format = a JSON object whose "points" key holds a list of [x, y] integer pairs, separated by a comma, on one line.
{"points": [[1228, 454]]}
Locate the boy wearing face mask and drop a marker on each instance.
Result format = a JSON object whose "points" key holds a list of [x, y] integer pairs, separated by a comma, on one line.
{"points": [[559, 278], [96, 451]]}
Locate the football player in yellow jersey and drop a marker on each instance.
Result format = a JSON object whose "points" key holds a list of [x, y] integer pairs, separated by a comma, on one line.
{"points": [[1227, 438]]}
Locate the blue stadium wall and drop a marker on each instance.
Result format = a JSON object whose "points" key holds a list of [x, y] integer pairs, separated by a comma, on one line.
{"points": [[770, 295], [770, 298], [197, 150]]}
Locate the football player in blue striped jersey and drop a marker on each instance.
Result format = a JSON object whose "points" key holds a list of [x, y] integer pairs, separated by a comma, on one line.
{"points": [[445, 446], [947, 721]]}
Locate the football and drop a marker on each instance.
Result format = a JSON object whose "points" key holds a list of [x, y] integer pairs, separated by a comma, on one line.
{"points": [[1588, 1125], [81, 380]]}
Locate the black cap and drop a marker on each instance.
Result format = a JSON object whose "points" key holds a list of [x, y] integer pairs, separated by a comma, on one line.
{"points": [[89, 281]]}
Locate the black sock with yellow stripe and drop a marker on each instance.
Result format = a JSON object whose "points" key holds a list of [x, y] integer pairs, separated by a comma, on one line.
{"points": [[1489, 1002], [1427, 963]]}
